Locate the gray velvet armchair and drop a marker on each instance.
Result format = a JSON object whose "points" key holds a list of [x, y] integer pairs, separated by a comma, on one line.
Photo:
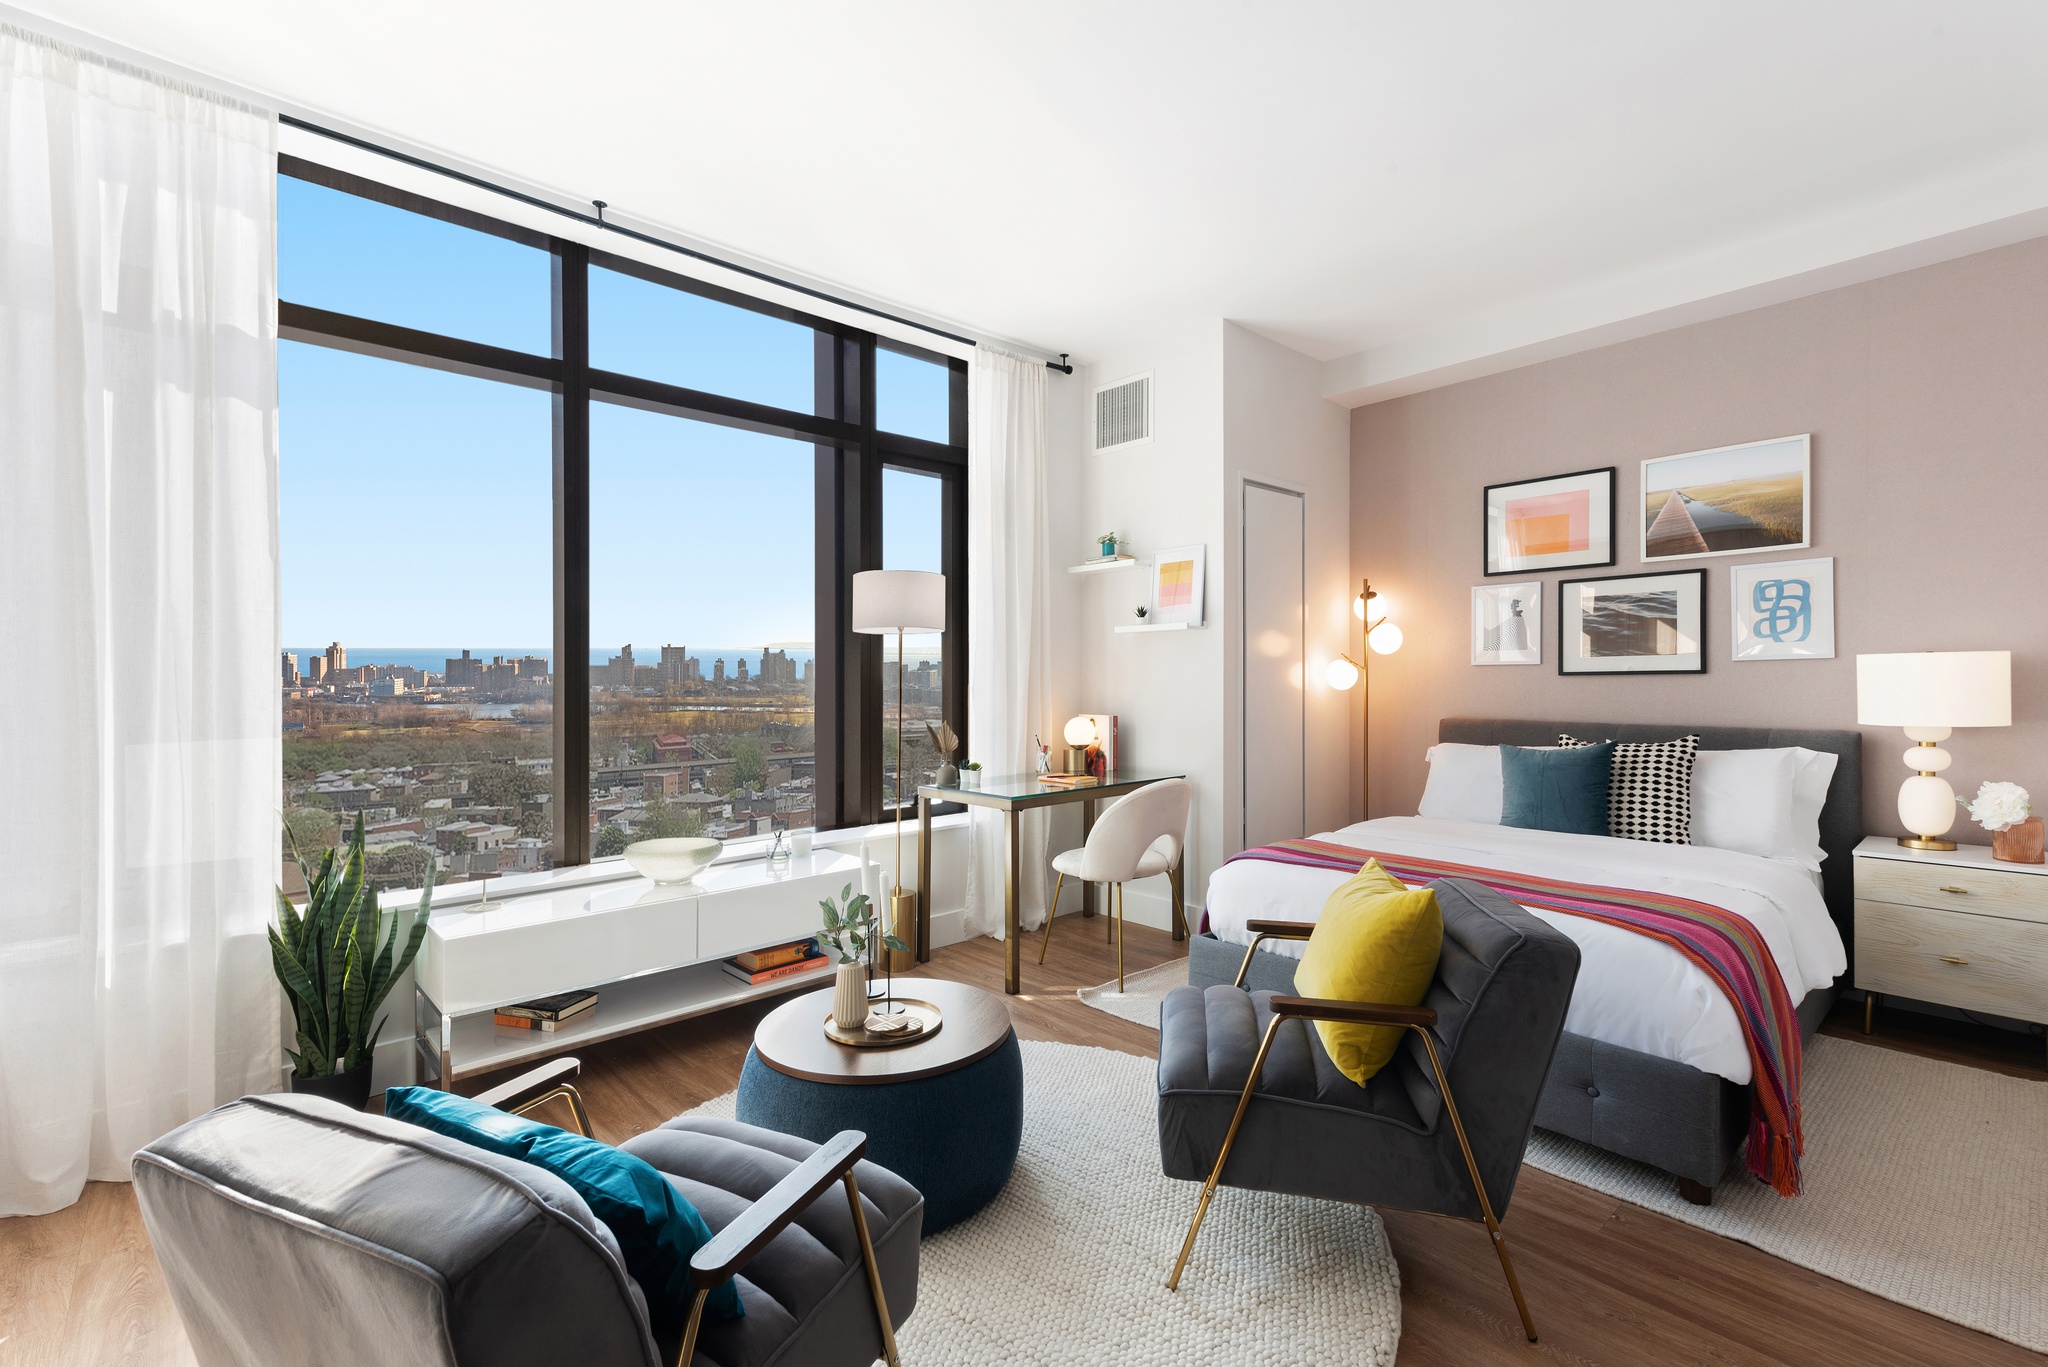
{"points": [[292, 1230], [1248, 1097]]}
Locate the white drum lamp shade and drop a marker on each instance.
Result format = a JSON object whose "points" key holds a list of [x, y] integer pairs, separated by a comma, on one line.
{"points": [[898, 600], [1929, 693]]}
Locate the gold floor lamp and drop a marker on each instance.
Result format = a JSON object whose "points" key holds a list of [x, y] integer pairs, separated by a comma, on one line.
{"points": [[899, 601], [1385, 638]]}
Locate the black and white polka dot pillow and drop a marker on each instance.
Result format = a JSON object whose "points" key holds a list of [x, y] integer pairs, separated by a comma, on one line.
{"points": [[1649, 790]]}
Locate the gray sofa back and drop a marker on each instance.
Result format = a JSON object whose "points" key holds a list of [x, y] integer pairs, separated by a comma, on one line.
{"points": [[293, 1230]]}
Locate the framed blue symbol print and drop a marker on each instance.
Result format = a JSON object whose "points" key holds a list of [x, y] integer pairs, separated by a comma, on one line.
{"points": [[1783, 611]]}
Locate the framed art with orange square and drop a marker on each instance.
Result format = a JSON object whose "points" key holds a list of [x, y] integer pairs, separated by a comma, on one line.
{"points": [[1559, 522], [1177, 586]]}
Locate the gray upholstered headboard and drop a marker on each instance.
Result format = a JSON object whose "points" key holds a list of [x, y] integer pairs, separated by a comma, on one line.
{"points": [[1841, 820]]}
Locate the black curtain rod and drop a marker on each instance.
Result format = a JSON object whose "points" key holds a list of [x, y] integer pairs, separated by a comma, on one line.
{"points": [[599, 222]]}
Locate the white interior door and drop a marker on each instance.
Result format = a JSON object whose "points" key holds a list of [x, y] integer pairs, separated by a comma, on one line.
{"points": [[1275, 731]]}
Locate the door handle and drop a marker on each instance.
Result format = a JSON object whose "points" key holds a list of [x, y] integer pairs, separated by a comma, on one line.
{"points": [[1952, 959]]}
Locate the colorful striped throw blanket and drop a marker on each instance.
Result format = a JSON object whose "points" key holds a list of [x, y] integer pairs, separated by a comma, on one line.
{"points": [[1723, 945]]}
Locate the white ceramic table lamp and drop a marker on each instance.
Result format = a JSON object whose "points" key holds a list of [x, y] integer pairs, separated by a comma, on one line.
{"points": [[1929, 693], [899, 601]]}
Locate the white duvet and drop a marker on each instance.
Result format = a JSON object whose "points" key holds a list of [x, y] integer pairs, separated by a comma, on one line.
{"points": [[1632, 990]]}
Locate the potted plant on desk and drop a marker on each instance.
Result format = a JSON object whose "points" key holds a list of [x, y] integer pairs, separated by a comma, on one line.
{"points": [[336, 966]]}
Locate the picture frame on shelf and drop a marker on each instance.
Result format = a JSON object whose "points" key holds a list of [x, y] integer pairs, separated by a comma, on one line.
{"points": [[1782, 610], [1555, 523], [1729, 500], [1507, 624], [1633, 624], [1177, 586]]}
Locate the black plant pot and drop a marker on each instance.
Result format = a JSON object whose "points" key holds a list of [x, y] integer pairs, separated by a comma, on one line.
{"points": [[351, 1089]]}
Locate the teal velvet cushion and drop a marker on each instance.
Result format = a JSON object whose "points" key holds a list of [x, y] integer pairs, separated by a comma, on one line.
{"points": [[1556, 790], [657, 1229]]}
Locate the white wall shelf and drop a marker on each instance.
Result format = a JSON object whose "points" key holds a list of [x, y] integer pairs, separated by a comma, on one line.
{"points": [[1135, 628], [1112, 562]]}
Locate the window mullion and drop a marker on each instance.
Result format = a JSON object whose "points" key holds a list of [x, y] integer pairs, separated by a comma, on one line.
{"points": [[572, 554]]}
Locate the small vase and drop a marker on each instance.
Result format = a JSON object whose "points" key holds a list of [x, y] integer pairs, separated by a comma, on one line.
{"points": [[970, 778], [2021, 844], [850, 996], [949, 775], [1108, 549]]}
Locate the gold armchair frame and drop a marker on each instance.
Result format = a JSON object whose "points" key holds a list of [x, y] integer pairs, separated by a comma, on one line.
{"points": [[1420, 1020], [720, 1260]]}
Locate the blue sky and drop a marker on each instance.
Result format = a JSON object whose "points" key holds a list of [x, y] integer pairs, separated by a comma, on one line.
{"points": [[415, 503]]}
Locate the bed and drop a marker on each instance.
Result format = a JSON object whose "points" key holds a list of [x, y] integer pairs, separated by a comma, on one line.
{"points": [[1651, 1065]]}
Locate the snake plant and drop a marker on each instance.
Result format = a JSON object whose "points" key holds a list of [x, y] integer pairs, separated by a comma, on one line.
{"points": [[334, 960]]}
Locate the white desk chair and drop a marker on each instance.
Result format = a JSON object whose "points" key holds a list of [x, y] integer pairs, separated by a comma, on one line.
{"points": [[1139, 836]]}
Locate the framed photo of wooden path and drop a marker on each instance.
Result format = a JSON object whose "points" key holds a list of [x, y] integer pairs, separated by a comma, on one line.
{"points": [[1732, 500]]}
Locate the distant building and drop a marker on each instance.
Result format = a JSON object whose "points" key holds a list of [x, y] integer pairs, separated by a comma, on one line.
{"points": [[317, 664], [464, 672], [777, 669], [619, 673], [388, 688], [670, 747], [742, 663], [718, 670], [290, 672], [337, 657], [676, 667], [807, 673]]}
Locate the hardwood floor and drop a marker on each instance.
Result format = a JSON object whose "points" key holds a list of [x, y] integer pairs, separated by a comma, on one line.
{"points": [[1609, 1283]]}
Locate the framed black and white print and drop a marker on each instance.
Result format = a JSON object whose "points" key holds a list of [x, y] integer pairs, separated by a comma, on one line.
{"points": [[1507, 624], [1633, 624], [1561, 522]]}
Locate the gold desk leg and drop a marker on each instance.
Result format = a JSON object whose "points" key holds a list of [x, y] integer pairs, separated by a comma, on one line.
{"points": [[924, 878], [1013, 972], [1087, 889], [1119, 939]]}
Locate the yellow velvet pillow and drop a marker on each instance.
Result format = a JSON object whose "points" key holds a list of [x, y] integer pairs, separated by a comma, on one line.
{"points": [[1375, 942]]}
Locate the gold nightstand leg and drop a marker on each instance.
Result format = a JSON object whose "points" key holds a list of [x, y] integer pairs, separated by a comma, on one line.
{"points": [[1869, 1010]]}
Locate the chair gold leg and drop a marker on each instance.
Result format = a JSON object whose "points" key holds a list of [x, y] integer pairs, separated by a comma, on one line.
{"points": [[1244, 1102], [688, 1349], [573, 1097], [867, 1255], [1119, 939], [1500, 1241], [1051, 912]]}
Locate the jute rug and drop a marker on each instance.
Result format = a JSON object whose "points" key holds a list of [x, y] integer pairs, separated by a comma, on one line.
{"points": [[1139, 1001], [1925, 1183], [1069, 1264]]}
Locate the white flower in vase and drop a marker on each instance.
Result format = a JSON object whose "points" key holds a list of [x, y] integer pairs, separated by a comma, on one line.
{"points": [[2000, 806]]}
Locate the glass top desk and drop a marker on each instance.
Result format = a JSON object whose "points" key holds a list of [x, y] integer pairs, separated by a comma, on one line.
{"points": [[1011, 794]]}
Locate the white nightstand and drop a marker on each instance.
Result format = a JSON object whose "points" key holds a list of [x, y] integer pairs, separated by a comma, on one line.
{"points": [[1954, 927]]}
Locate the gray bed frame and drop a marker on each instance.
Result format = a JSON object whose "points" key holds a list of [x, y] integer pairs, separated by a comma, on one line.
{"points": [[1669, 1115]]}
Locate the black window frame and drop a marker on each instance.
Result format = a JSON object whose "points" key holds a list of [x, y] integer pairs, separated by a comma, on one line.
{"points": [[851, 453]]}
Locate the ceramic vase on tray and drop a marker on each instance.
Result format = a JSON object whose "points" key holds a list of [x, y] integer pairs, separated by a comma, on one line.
{"points": [[850, 996]]}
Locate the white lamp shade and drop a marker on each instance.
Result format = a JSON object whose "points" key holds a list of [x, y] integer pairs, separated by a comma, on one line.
{"points": [[1341, 674], [1385, 639], [1935, 688], [1080, 732], [898, 600]]}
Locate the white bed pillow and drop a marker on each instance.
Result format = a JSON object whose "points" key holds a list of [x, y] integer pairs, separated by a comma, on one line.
{"points": [[1762, 802], [1464, 784]]}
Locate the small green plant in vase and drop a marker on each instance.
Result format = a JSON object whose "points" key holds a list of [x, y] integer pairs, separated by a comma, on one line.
{"points": [[1108, 542], [849, 930]]}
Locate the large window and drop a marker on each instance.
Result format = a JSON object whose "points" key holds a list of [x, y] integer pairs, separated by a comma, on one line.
{"points": [[568, 543]]}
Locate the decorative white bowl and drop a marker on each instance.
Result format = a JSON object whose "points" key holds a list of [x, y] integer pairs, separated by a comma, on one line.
{"points": [[673, 861]]}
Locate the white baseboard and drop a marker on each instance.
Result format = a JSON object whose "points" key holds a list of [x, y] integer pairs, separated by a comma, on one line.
{"points": [[949, 927]]}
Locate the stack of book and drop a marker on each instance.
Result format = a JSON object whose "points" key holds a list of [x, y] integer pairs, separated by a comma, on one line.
{"points": [[1068, 780], [547, 1013], [776, 962]]}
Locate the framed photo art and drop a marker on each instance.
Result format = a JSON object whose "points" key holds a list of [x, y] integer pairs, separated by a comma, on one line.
{"points": [[1177, 585], [1559, 523], [1731, 500], [1507, 624], [1784, 610], [1632, 624]]}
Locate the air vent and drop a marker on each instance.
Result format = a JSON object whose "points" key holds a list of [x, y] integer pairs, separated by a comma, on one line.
{"points": [[1123, 413]]}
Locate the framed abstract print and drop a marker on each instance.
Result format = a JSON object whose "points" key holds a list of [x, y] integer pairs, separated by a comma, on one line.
{"points": [[1731, 500], [1507, 624], [1783, 611], [1562, 522], [1177, 586], [1632, 624]]}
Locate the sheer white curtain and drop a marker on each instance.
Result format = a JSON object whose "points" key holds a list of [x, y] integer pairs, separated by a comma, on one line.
{"points": [[1008, 596], [138, 554]]}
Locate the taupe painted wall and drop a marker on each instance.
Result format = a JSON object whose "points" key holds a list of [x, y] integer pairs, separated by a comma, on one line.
{"points": [[1927, 397]]}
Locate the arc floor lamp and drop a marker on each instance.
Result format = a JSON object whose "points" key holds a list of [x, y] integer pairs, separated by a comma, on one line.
{"points": [[1381, 637]]}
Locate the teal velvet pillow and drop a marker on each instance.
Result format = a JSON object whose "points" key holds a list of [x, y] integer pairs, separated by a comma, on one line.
{"points": [[657, 1229], [1556, 790]]}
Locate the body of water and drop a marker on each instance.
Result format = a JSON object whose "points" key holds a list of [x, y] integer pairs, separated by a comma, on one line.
{"points": [[435, 661]]}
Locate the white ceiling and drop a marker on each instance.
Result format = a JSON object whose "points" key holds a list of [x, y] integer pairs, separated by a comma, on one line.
{"points": [[1405, 186]]}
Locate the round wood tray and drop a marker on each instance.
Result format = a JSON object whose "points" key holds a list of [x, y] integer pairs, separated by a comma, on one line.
{"points": [[923, 1011]]}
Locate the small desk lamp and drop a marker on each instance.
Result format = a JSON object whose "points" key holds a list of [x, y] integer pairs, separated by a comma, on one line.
{"points": [[1385, 638], [1929, 693], [899, 601]]}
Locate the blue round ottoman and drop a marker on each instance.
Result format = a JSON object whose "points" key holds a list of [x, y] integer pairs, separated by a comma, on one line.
{"points": [[946, 1115]]}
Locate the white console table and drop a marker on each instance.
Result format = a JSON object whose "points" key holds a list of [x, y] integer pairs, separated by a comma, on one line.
{"points": [[651, 952]]}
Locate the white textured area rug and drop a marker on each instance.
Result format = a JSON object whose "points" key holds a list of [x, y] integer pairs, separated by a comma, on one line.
{"points": [[1069, 1264], [1139, 1001], [1925, 1183]]}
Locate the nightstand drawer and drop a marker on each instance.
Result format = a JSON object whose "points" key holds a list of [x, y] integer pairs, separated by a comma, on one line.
{"points": [[1979, 963], [1945, 887]]}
